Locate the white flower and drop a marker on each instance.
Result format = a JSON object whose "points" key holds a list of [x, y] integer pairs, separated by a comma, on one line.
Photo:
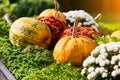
{"points": [[83, 71], [91, 75], [102, 57], [97, 70], [117, 71], [115, 66], [105, 54], [118, 56], [95, 51], [107, 61], [102, 63], [91, 69], [114, 73], [85, 63], [115, 49], [119, 63], [114, 58], [109, 48], [97, 60], [102, 46], [102, 69], [104, 74], [112, 62], [102, 51]]}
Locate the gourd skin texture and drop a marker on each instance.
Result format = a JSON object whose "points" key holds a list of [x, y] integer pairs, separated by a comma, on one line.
{"points": [[26, 31], [73, 50], [116, 34], [52, 12]]}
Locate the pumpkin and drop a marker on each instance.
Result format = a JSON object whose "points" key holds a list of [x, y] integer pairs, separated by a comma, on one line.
{"points": [[54, 12], [73, 48], [25, 31], [116, 34]]}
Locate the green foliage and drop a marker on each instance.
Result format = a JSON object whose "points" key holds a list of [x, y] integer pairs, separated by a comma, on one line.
{"points": [[24, 7], [56, 72], [108, 28], [104, 39]]}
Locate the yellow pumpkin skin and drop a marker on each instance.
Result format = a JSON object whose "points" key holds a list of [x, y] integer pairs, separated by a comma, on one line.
{"points": [[73, 50], [116, 34], [25, 31], [52, 12]]}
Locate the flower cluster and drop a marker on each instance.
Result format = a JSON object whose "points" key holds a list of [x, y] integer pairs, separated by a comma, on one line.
{"points": [[103, 62], [86, 18]]}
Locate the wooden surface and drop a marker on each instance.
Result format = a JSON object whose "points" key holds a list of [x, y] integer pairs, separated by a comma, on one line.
{"points": [[5, 73]]}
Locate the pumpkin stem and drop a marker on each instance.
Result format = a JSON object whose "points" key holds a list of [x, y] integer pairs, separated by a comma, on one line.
{"points": [[56, 5], [7, 18], [98, 16], [74, 33]]}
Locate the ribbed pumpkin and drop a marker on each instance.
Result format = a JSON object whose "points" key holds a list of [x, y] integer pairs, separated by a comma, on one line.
{"points": [[72, 48], [25, 31], [54, 12]]}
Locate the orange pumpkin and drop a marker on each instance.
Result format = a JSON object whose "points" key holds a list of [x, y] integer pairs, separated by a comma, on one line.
{"points": [[73, 49], [54, 12]]}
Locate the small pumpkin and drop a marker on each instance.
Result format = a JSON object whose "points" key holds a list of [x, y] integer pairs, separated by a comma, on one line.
{"points": [[73, 49], [25, 31], [116, 34], [54, 12]]}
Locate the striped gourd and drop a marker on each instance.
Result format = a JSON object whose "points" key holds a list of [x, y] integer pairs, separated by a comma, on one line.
{"points": [[25, 31]]}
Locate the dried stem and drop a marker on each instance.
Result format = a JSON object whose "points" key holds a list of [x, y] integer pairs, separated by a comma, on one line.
{"points": [[74, 33], [98, 16], [56, 5], [7, 18]]}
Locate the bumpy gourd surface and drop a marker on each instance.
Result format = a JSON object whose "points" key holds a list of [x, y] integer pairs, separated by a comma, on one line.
{"points": [[52, 12], [26, 31], [73, 50]]}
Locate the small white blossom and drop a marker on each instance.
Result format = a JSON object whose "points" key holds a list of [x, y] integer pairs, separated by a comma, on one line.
{"points": [[102, 47], [114, 73], [105, 54], [114, 58], [112, 62], [90, 69], [102, 69], [117, 71], [115, 66], [118, 56], [97, 70], [97, 60], [107, 61], [102, 63], [85, 63], [104, 74], [83, 71], [102, 57], [115, 49], [119, 63], [91, 75]]}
